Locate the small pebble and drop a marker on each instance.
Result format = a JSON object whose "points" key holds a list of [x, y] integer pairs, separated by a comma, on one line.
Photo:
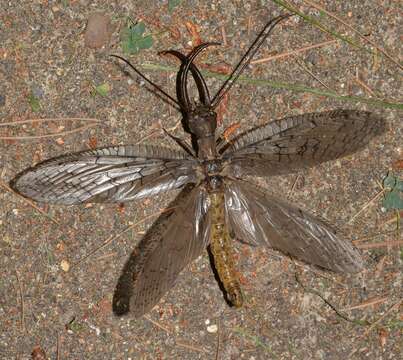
{"points": [[65, 266], [212, 329], [98, 30], [59, 141]]}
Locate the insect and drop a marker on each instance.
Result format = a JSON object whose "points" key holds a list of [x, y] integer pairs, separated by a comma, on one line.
{"points": [[216, 203]]}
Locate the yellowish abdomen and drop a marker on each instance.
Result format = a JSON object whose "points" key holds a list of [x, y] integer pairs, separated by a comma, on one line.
{"points": [[221, 249]]}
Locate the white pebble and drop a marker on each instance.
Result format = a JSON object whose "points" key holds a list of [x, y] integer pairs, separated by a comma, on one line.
{"points": [[212, 329]]}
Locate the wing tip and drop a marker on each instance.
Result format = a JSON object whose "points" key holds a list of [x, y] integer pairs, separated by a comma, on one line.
{"points": [[351, 264], [22, 184], [27, 185]]}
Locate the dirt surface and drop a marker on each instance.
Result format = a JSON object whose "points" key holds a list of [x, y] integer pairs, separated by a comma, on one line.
{"points": [[50, 297]]}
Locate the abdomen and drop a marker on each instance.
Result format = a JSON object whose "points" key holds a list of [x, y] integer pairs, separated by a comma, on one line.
{"points": [[221, 249]]}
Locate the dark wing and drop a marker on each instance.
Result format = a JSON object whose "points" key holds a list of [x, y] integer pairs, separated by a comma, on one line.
{"points": [[257, 216], [175, 240], [113, 174], [287, 145]]}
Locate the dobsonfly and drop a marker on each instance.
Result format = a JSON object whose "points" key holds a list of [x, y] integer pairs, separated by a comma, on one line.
{"points": [[215, 203]]}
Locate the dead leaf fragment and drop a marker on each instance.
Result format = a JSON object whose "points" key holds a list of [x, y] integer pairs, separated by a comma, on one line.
{"points": [[193, 30], [93, 142], [220, 68], [398, 165], [38, 353], [60, 246], [227, 134], [383, 335], [175, 33]]}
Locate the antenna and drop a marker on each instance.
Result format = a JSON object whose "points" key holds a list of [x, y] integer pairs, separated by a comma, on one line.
{"points": [[246, 59], [155, 86]]}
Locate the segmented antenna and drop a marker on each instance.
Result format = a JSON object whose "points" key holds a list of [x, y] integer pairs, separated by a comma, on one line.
{"points": [[166, 96], [246, 59]]}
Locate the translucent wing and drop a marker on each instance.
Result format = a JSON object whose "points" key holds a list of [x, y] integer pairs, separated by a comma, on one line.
{"points": [[286, 145], [175, 240], [113, 174], [259, 217]]}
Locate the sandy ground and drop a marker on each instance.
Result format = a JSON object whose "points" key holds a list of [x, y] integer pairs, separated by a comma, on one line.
{"points": [[46, 66]]}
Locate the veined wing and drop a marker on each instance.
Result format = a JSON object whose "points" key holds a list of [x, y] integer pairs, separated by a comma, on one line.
{"points": [[287, 145], [175, 240], [258, 216], [112, 174]]}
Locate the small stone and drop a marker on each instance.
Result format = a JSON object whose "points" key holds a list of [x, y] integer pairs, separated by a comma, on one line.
{"points": [[212, 329], [60, 246], [65, 266], [98, 30], [59, 141]]}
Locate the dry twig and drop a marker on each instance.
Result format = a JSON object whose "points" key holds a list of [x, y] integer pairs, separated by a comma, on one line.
{"points": [[63, 133], [217, 352], [58, 346], [370, 202], [380, 244], [363, 85], [23, 327], [367, 303], [190, 347], [157, 324], [310, 73], [293, 52], [29, 202], [294, 184]]}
